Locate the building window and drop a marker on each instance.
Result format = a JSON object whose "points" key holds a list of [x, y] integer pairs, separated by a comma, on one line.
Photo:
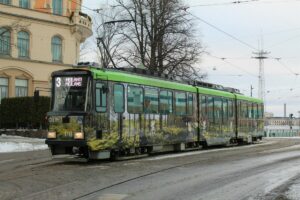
{"points": [[24, 3], [23, 44], [56, 49], [5, 1], [5, 41], [3, 88], [57, 7], [21, 88]]}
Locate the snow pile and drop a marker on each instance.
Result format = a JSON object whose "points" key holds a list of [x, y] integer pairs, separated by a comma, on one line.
{"points": [[19, 144]]}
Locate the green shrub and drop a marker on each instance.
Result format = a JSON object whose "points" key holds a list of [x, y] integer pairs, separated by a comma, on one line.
{"points": [[24, 112]]}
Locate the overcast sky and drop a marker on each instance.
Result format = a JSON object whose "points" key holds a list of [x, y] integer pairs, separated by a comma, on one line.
{"points": [[273, 23]]}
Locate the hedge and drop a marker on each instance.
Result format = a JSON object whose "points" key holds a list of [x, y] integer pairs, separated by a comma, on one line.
{"points": [[24, 112]]}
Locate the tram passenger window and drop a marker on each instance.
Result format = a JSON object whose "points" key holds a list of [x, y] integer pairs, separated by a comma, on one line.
{"points": [[165, 102], [240, 110], [203, 106], [254, 111], [190, 104], [225, 110], [119, 98], [180, 103], [101, 90], [151, 101], [230, 108], [250, 111], [135, 99], [210, 108], [260, 111], [218, 109], [244, 110]]}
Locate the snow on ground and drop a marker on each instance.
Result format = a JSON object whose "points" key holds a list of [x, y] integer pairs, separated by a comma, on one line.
{"points": [[18, 144], [294, 192]]}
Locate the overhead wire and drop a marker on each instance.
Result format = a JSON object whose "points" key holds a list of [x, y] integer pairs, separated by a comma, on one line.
{"points": [[93, 10], [223, 3], [222, 31], [231, 64], [286, 67], [243, 2]]}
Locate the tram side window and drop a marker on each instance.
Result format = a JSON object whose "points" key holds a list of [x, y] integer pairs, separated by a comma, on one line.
{"points": [[218, 109], [180, 103], [119, 98], [225, 110], [203, 107], [101, 90], [244, 110], [260, 111], [151, 101], [240, 114], [210, 109], [250, 111], [135, 99], [253, 111], [165, 102], [255, 115], [230, 108], [190, 104]]}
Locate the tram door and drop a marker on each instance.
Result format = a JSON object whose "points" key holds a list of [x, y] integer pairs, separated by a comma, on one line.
{"points": [[118, 109]]}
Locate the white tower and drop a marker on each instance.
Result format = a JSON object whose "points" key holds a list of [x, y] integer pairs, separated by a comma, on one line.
{"points": [[261, 55]]}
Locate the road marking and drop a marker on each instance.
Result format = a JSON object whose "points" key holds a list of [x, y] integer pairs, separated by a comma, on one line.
{"points": [[112, 197], [6, 161], [96, 167]]}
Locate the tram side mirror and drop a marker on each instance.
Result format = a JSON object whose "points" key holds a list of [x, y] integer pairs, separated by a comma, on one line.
{"points": [[66, 120]]}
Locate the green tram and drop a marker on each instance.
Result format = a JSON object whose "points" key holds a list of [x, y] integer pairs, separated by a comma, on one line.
{"points": [[104, 113]]}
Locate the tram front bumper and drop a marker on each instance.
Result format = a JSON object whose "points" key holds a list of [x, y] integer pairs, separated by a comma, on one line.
{"points": [[65, 146]]}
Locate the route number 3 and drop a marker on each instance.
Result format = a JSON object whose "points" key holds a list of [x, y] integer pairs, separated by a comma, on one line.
{"points": [[58, 82]]}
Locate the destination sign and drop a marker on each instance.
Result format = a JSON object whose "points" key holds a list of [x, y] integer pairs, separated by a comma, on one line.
{"points": [[70, 81]]}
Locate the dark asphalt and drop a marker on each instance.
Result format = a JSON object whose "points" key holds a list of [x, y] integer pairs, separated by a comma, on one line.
{"points": [[260, 171]]}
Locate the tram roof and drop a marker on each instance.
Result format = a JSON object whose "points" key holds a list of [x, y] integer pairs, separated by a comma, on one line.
{"points": [[127, 77]]}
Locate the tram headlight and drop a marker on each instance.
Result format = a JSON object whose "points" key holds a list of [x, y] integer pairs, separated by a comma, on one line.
{"points": [[78, 135], [51, 135]]}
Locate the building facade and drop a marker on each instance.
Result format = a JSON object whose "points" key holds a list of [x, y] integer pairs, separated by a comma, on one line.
{"points": [[38, 37], [282, 127]]}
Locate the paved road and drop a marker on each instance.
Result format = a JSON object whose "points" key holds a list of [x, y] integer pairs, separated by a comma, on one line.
{"points": [[262, 171]]}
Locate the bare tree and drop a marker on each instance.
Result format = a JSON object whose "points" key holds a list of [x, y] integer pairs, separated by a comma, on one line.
{"points": [[161, 38], [109, 33]]}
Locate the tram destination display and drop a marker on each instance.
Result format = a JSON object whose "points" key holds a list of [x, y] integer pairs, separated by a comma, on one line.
{"points": [[70, 81]]}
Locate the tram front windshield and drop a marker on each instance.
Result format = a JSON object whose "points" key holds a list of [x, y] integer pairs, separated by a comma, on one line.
{"points": [[70, 93]]}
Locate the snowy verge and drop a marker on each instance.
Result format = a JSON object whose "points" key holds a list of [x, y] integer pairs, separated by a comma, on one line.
{"points": [[20, 144]]}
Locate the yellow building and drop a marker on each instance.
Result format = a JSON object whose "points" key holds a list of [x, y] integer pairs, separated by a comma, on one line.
{"points": [[38, 37]]}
